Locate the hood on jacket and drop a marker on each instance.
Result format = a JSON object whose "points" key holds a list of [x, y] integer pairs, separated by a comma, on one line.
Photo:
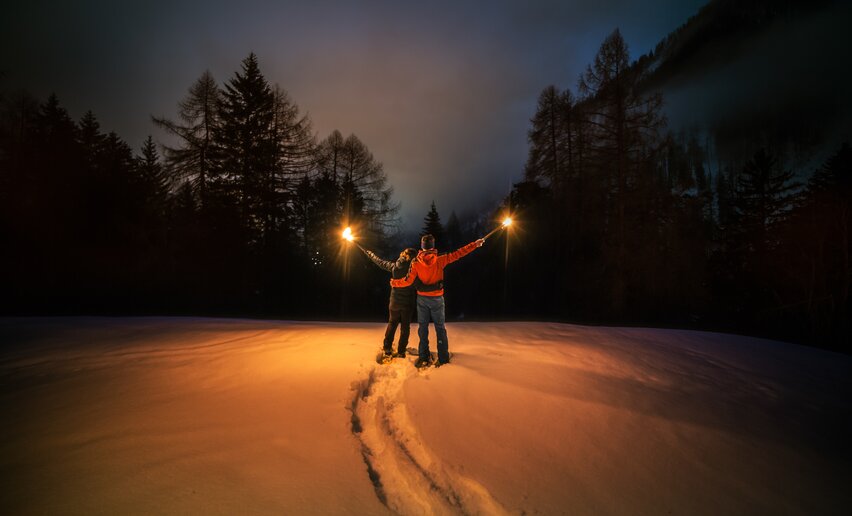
{"points": [[427, 257]]}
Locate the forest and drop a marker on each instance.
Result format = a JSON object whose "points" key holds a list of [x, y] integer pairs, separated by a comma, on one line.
{"points": [[620, 219], [641, 228]]}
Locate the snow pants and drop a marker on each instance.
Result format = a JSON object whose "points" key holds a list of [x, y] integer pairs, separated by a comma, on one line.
{"points": [[432, 309], [401, 318]]}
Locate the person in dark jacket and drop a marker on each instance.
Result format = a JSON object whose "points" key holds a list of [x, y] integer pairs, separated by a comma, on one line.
{"points": [[402, 301]]}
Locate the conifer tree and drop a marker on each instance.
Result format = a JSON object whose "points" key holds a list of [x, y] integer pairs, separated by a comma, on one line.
{"points": [[58, 165], [194, 158], [293, 146], [764, 199], [246, 152], [625, 126], [154, 182], [90, 137], [432, 225], [550, 139], [55, 125]]}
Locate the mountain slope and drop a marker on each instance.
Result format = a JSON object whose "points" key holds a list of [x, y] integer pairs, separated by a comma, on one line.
{"points": [[758, 73]]}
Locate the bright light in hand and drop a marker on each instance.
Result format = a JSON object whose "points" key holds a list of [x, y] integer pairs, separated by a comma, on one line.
{"points": [[507, 222], [347, 234]]}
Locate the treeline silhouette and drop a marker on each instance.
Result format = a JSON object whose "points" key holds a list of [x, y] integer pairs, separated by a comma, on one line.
{"points": [[242, 214], [621, 221]]}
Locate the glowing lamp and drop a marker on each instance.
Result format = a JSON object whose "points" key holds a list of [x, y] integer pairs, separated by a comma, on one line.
{"points": [[507, 222], [347, 234]]}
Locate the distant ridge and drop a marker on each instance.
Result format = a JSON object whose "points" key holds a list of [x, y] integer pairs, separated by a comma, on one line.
{"points": [[715, 33], [758, 74]]}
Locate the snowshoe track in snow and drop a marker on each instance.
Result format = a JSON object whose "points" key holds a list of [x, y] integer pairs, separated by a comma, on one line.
{"points": [[408, 478]]}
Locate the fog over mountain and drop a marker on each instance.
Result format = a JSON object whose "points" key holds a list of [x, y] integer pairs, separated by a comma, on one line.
{"points": [[760, 73]]}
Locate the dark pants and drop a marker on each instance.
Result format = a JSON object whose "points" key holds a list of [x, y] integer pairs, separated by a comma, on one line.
{"points": [[432, 309], [398, 317]]}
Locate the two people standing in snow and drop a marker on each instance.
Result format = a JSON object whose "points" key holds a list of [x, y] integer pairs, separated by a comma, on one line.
{"points": [[419, 277], [428, 269]]}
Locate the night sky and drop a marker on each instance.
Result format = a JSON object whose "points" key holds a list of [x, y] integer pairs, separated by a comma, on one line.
{"points": [[441, 92]]}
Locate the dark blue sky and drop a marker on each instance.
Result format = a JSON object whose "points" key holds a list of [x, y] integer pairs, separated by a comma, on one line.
{"points": [[441, 92]]}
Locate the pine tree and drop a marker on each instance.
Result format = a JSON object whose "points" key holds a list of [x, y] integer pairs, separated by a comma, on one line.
{"points": [[247, 153], [553, 141], [765, 198], [550, 139], [295, 142], [625, 128], [835, 176], [432, 226], [90, 137], [55, 125], [58, 164], [294, 155], [194, 159], [154, 182], [116, 156]]}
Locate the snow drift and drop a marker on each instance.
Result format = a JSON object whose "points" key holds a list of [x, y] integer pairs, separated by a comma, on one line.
{"points": [[154, 415]]}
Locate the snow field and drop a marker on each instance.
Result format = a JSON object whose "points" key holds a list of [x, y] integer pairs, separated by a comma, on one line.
{"points": [[175, 415]]}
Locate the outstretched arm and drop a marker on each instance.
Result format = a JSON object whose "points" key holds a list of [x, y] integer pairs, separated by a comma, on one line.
{"points": [[407, 280], [382, 264], [463, 251]]}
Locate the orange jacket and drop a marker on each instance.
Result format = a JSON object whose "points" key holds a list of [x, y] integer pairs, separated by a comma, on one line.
{"points": [[428, 267]]}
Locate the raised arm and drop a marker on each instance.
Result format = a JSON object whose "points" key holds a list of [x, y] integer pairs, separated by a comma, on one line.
{"points": [[382, 264], [407, 280], [463, 251]]}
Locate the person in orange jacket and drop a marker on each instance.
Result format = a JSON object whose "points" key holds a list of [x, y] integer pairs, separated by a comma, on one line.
{"points": [[428, 269]]}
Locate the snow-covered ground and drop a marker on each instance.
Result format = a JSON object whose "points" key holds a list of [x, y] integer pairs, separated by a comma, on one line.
{"points": [[211, 416]]}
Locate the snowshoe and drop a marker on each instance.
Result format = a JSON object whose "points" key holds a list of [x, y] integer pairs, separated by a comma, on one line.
{"points": [[440, 362], [422, 363], [383, 357]]}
